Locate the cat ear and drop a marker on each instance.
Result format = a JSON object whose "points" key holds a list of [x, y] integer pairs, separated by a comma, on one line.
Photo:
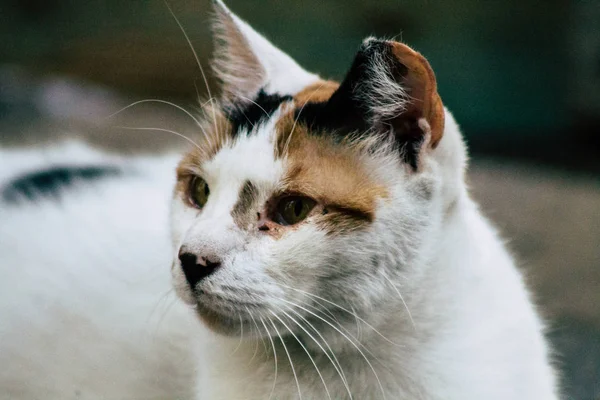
{"points": [[390, 89], [246, 62]]}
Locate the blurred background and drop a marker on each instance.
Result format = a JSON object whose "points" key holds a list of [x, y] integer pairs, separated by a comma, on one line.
{"points": [[522, 77]]}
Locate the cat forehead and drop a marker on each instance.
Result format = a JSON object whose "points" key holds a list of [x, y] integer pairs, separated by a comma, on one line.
{"points": [[256, 135], [263, 142], [247, 114], [247, 152]]}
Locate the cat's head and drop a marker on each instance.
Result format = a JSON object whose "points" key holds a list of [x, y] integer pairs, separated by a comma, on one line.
{"points": [[307, 198]]}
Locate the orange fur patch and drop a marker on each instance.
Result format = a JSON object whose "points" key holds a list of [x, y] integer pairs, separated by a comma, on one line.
{"points": [[316, 93], [423, 87], [216, 137], [330, 173]]}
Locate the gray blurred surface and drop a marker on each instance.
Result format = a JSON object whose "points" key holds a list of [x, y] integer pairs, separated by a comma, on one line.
{"points": [[512, 69]]}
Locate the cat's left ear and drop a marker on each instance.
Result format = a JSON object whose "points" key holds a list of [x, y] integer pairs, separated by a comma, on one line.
{"points": [[246, 62]]}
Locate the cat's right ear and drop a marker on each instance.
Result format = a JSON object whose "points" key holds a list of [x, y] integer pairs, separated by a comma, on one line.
{"points": [[389, 91], [246, 62]]}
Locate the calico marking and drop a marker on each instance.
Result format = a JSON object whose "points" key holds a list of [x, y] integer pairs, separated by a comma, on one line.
{"points": [[51, 183], [245, 116], [242, 212]]}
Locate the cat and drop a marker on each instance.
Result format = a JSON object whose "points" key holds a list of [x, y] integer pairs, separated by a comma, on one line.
{"points": [[321, 233]]}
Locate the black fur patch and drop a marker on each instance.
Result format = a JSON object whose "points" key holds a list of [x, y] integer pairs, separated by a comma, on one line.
{"points": [[51, 183], [246, 115], [348, 109], [242, 212], [345, 111]]}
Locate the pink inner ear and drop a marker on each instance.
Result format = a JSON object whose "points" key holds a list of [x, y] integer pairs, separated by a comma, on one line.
{"points": [[422, 88]]}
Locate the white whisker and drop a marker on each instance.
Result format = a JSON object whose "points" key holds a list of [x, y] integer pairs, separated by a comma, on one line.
{"points": [[304, 348], [255, 103], [257, 332], [346, 310], [287, 143], [241, 334], [158, 303], [257, 329], [341, 326], [401, 299], [135, 103], [135, 128], [274, 356], [358, 330], [347, 338], [336, 365], [289, 358], [187, 38]]}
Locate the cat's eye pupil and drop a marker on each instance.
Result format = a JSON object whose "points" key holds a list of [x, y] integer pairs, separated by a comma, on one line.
{"points": [[298, 207], [292, 210], [199, 192]]}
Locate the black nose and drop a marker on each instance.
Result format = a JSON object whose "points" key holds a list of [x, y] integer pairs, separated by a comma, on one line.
{"points": [[196, 269]]}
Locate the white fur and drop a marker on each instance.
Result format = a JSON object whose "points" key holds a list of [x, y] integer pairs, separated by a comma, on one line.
{"points": [[386, 96], [471, 332], [83, 316], [85, 302], [271, 68], [441, 311], [429, 306]]}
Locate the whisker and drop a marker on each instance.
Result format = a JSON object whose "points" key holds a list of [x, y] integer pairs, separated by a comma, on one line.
{"points": [[135, 103], [255, 103], [339, 324], [247, 119], [257, 329], [158, 303], [324, 310], [257, 332], [358, 329], [289, 357], [274, 356], [165, 312], [340, 370], [204, 104], [209, 100], [346, 310], [161, 130], [197, 91], [347, 338], [401, 299], [304, 348], [241, 334], [287, 143], [189, 42], [335, 366]]}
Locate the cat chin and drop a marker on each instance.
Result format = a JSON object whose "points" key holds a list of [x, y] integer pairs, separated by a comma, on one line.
{"points": [[215, 321], [218, 323], [237, 324], [230, 326]]}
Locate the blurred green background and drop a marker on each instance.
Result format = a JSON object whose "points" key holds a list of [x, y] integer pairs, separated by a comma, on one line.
{"points": [[522, 77]]}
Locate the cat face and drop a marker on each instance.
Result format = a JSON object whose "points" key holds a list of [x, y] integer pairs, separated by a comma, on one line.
{"points": [[306, 195]]}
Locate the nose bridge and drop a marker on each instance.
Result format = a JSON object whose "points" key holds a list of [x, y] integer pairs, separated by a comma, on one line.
{"points": [[212, 235], [214, 231]]}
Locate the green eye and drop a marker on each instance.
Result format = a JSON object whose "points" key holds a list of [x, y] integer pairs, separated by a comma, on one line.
{"points": [[293, 209], [199, 192]]}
